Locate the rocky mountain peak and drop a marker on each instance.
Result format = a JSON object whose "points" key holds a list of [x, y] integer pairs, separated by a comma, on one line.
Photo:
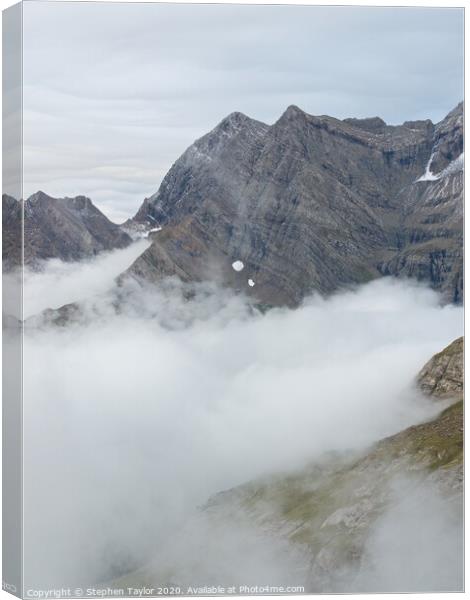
{"points": [[234, 121], [235, 129], [293, 112], [39, 196], [294, 121], [66, 228], [308, 203]]}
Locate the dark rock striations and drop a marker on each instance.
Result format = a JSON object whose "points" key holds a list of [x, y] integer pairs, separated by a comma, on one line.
{"points": [[311, 204]]}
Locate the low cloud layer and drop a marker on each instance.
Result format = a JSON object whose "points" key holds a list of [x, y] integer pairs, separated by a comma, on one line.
{"points": [[61, 283], [132, 420]]}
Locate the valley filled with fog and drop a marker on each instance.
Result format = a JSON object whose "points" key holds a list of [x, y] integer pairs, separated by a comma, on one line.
{"points": [[134, 418]]}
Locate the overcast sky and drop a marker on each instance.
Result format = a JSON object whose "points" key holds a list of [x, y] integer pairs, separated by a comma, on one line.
{"points": [[114, 93]]}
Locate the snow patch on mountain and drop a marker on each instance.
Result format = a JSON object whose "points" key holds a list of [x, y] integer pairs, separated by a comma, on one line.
{"points": [[454, 167], [238, 266], [428, 175]]}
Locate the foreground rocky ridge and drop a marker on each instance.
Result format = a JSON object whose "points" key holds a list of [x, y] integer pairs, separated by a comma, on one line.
{"points": [[311, 204], [442, 376], [66, 228], [322, 518]]}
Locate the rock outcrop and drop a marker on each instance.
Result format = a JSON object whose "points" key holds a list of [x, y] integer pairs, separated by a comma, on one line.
{"points": [[66, 228], [442, 376], [311, 204]]}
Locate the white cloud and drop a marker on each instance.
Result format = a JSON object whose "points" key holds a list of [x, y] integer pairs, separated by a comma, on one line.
{"points": [[134, 419], [61, 282]]}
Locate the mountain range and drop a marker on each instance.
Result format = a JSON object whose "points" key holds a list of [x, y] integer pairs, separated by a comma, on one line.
{"points": [[310, 203]]}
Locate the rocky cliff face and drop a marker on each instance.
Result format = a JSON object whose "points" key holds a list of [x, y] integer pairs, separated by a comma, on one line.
{"points": [[447, 141], [442, 376], [311, 204], [430, 233], [65, 228]]}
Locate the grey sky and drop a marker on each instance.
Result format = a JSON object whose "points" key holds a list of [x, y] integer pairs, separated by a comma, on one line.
{"points": [[114, 93]]}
